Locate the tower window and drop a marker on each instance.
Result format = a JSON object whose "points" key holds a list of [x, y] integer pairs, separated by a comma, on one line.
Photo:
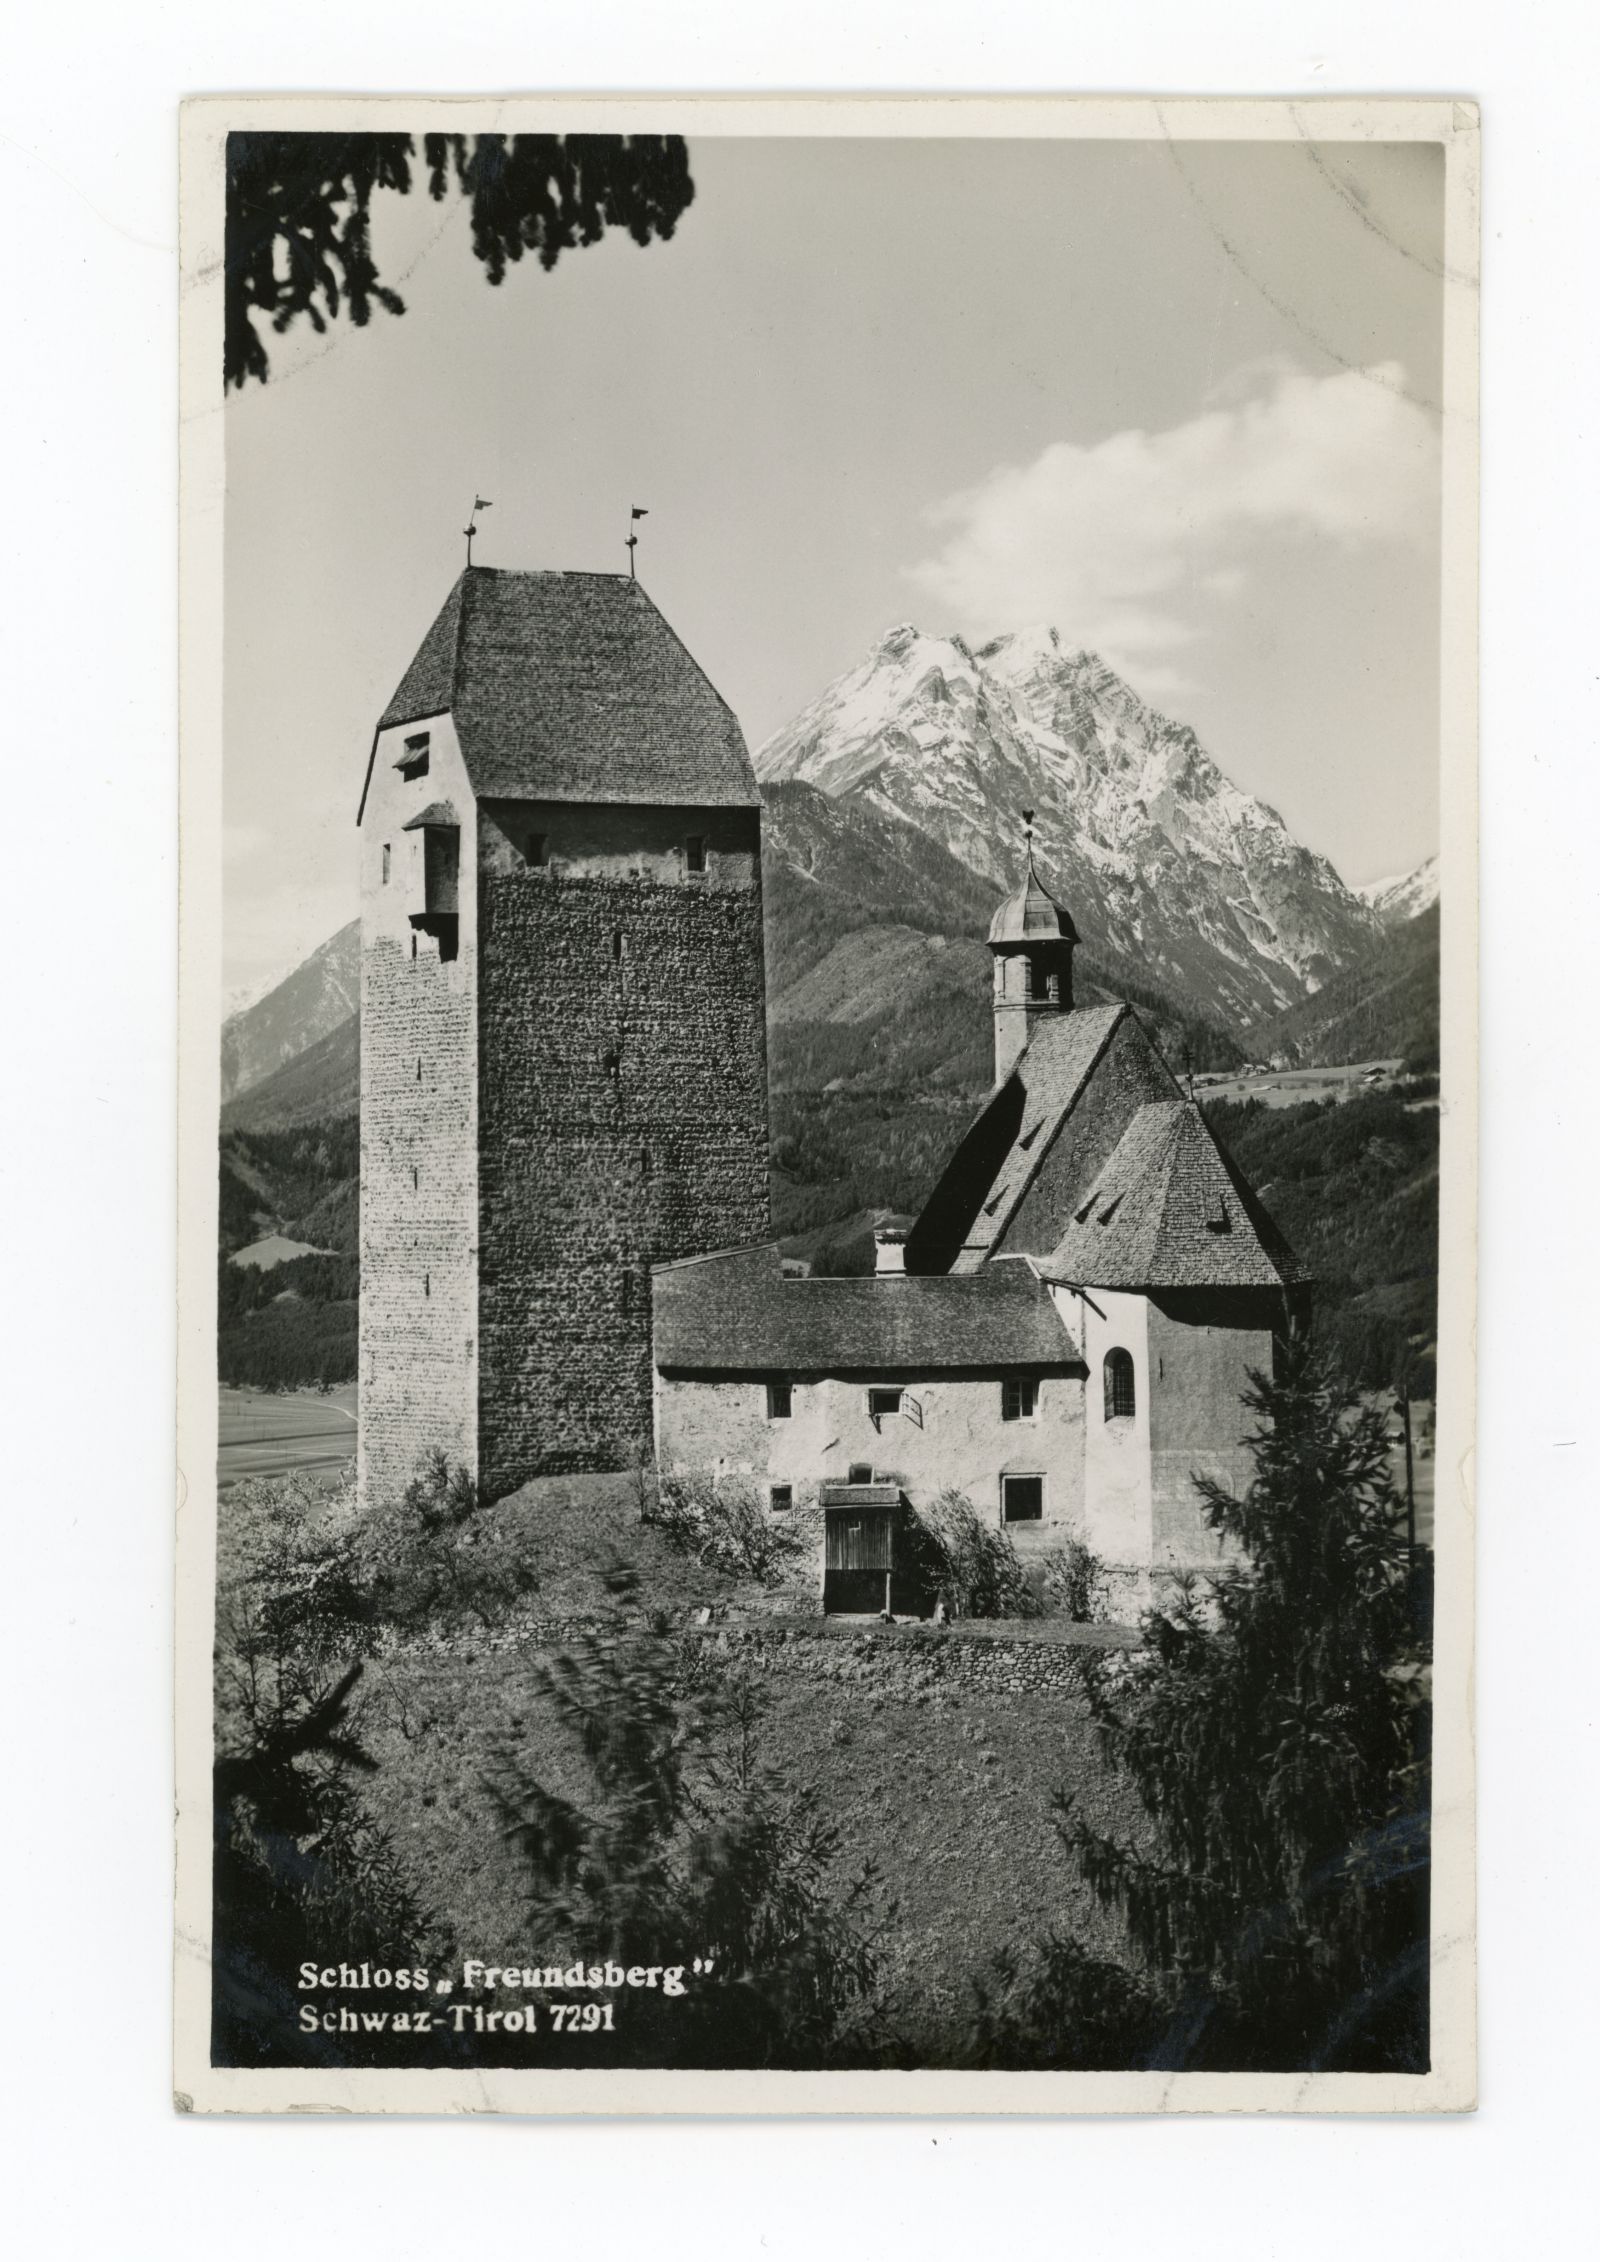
{"points": [[413, 758], [386, 863], [1019, 1398], [1119, 1386], [538, 848], [780, 1401], [1021, 1500], [1041, 981], [694, 853]]}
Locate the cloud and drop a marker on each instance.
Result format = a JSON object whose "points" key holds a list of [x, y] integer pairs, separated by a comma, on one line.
{"points": [[1131, 545]]}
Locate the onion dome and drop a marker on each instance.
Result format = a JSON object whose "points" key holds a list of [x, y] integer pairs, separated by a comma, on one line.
{"points": [[1029, 914]]}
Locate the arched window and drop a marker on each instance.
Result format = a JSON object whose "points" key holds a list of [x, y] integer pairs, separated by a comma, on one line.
{"points": [[1119, 1385]]}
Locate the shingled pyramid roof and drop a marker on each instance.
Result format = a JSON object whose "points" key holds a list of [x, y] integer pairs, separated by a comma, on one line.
{"points": [[1169, 1210], [572, 687]]}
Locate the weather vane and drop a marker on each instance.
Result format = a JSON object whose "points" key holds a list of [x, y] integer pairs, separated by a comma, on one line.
{"points": [[634, 516], [479, 503]]}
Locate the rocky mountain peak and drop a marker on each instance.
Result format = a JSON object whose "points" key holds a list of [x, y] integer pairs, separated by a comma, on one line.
{"points": [[1150, 844]]}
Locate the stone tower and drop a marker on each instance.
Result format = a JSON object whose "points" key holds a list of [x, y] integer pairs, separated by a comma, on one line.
{"points": [[563, 1026], [1032, 940]]}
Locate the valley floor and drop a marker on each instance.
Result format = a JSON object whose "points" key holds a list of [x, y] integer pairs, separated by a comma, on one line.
{"points": [[271, 1433]]}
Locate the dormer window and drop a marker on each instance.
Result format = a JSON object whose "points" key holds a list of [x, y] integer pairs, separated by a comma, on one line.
{"points": [[412, 760], [694, 854]]}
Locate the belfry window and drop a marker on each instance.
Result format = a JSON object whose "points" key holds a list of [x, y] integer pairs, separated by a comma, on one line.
{"points": [[1041, 981], [1119, 1386]]}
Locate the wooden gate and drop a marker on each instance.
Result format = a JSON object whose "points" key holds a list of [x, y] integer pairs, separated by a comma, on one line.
{"points": [[858, 1560]]}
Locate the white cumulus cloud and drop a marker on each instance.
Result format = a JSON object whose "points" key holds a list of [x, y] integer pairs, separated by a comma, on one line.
{"points": [[1129, 545]]}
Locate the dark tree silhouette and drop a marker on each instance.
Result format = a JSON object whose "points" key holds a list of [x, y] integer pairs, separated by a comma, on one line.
{"points": [[1275, 1734], [299, 205]]}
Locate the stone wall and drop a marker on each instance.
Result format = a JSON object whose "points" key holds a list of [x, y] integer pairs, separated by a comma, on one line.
{"points": [[417, 1376], [623, 1110]]}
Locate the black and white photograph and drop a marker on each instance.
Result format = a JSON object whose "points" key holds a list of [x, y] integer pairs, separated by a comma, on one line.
{"points": [[828, 1106]]}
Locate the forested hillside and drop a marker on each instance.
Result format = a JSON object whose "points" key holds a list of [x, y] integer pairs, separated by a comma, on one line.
{"points": [[1384, 1008]]}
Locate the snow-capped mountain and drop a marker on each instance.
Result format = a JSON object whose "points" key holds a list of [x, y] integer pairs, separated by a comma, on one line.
{"points": [[1161, 860], [1406, 895]]}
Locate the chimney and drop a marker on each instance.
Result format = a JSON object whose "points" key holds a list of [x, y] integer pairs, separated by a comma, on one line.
{"points": [[889, 1243]]}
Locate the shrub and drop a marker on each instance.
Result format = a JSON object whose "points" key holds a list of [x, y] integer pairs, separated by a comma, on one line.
{"points": [[441, 1557], [1074, 1583], [678, 1844], [972, 1563], [728, 1527]]}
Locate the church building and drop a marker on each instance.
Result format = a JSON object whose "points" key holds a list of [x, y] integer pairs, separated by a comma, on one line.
{"points": [[1063, 1336], [563, 1024]]}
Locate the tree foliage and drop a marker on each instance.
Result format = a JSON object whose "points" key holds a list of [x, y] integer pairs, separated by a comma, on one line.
{"points": [[1275, 1734], [299, 206], [674, 1843]]}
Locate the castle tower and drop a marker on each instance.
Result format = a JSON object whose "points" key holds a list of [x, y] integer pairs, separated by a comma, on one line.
{"points": [[563, 1025], [1032, 939]]}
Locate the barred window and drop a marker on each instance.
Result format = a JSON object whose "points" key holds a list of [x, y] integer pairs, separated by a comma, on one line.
{"points": [[1119, 1385], [780, 1401], [1019, 1398]]}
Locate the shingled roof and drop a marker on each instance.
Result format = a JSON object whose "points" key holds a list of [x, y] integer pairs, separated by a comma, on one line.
{"points": [[738, 1313], [572, 687], [1170, 1210]]}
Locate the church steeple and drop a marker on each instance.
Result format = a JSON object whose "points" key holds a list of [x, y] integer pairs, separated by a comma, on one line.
{"points": [[1032, 938]]}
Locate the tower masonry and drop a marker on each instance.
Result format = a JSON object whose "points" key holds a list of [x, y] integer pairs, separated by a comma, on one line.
{"points": [[563, 1027]]}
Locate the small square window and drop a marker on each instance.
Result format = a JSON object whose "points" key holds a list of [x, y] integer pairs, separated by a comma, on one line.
{"points": [[538, 848], [780, 1401], [781, 1498], [694, 853], [881, 1402], [860, 1473], [1021, 1499], [1019, 1398], [386, 863]]}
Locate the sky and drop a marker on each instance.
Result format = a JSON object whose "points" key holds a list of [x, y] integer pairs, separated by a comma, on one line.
{"points": [[1180, 401]]}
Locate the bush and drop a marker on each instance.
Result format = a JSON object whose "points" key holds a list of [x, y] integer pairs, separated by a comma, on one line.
{"points": [[727, 1527], [299, 1862], [973, 1564], [440, 1557], [1074, 1583], [679, 1845]]}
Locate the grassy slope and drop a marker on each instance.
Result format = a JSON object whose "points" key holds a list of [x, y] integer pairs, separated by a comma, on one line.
{"points": [[946, 1791]]}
